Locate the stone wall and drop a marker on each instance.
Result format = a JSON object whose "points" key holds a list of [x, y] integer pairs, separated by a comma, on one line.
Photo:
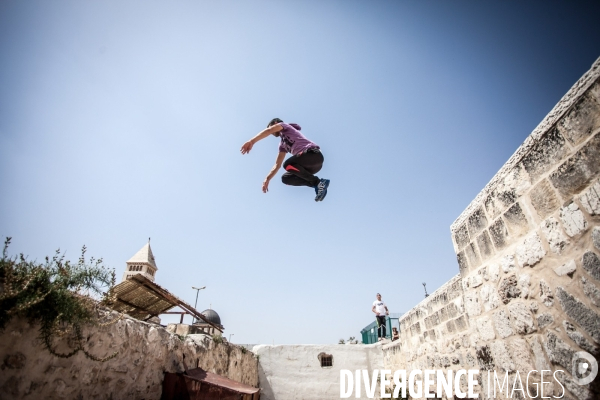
{"points": [[146, 351], [528, 251], [294, 372]]}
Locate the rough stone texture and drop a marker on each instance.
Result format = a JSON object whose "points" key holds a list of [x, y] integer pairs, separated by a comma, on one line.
{"points": [[573, 219], [580, 313], [550, 149], [558, 351], [580, 392], [591, 291], [508, 289], [501, 357], [502, 324], [485, 245], [591, 263], [499, 234], [544, 199], [472, 306], [463, 265], [516, 220], [489, 297], [492, 273], [530, 252], [590, 199], [566, 269], [581, 120], [485, 358], [596, 237], [538, 354], [522, 318], [472, 256], [477, 222], [146, 351], [524, 283], [546, 294], [521, 354], [508, 263], [485, 328], [544, 320], [578, 338], [579, 170], [461, 237], [556, 239]]}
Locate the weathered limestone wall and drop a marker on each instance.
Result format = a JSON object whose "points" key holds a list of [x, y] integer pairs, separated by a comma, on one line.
{"points": [[528, 251], [146, 351], [294, 372]]}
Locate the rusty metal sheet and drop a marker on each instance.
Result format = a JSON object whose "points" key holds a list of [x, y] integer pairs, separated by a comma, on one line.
{"points": [[198, 384]]}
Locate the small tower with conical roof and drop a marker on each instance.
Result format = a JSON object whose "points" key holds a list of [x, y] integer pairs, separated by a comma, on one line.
{"points": [[142, 262]]}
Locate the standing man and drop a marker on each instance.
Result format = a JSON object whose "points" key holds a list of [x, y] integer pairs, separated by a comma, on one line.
{"points": [[301, 167], [380, 310]]}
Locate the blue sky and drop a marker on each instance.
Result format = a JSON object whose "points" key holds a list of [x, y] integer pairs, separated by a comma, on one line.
{"points": [[121, 121]]}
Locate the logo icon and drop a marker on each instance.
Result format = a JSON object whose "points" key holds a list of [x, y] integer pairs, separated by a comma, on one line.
{"points": [[584, 368]]}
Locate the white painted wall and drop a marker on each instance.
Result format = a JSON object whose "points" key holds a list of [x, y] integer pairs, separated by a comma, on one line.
{"points": [[293, 372]]}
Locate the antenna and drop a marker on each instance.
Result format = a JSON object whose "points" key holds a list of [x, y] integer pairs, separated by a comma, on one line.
{"points": [[425, 289]]}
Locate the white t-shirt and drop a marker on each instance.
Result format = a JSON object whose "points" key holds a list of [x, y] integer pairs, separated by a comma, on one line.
{"points": [[379, 307]]}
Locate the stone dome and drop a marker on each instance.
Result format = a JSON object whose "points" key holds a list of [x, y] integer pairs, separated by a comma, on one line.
{"points": [[212, 316]]}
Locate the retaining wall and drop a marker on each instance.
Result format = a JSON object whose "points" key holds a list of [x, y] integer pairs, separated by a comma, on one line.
{"points": [[146, 352], [527, 295]]}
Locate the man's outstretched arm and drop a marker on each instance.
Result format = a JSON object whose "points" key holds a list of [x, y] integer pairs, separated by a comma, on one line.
{"points": [[278, 162], [246, 147]]}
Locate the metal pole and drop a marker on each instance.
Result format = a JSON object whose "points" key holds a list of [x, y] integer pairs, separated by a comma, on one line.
{"points": [[196, 303]]}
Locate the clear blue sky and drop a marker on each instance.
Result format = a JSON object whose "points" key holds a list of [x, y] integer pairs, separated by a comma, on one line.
{"points": [[122, 120]]}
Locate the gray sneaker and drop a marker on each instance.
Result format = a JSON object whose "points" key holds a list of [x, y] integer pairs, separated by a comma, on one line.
{"points": [[321, 189]]}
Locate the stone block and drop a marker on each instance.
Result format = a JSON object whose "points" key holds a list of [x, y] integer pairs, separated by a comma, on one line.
{"points": [[596, 237], [578, 171], [485, 245], [578, 338], [463, 265], [477, 222], [556, 239], [581, 392], [507, 263], [501, 357], [573, 220], [544, 199], [499, 233], [546, 295], [524, 282], [472, 256], [485, 328], [533, 306], [558, 351], [508, 289], [516, 220], [522, 318], [590, 199], [472, 306], [579, 313], [475, 281], [566, 269], [550, 149], [489, 297], [492, 273], [521, 354], [581, 120], [591, 263], [461, 323], [538, 354], [591, 291], [485, 358], [450, 326], [544, 320], [502, 323], [443, 315], [461, 237], [530, 251]]}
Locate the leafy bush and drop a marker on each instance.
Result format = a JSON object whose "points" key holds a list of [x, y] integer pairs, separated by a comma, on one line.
{"points": [[58, 295]]}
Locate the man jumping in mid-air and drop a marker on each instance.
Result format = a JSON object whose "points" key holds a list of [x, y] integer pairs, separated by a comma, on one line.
{"points": [[301, 167]]}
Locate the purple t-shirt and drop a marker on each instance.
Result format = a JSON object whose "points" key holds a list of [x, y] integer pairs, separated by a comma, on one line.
{"points": [[292, 141]]}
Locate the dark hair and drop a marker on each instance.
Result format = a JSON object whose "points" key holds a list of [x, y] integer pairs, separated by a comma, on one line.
{"points": [[274, 121]]}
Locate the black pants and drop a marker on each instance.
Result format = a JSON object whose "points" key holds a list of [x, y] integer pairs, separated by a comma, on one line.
{"points": [[301, 169], [381, 330]]}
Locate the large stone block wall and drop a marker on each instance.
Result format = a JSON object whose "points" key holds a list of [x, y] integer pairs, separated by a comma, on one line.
{"points": [[146, 352], [294, 372], [528, 251]]}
